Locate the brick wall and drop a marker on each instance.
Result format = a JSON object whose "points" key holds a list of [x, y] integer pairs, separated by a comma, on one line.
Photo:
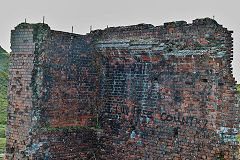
{"points": [[52, 95], [68, 100], [68, 80], [168, 92], [135, 92], [20, 90]]}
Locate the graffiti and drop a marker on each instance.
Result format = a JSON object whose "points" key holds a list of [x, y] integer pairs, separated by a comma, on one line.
{"points": [[188, 120], [164, 117], [182, 120]]}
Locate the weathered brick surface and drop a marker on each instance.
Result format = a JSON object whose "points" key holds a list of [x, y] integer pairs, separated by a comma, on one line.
{"points": [[51, 92], [68, 97], [135, 92], [170, 94], [20, 92], [68, 80]]}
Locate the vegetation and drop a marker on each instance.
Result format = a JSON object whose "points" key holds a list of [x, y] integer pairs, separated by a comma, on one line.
{"points": [[238, 88], [96, 126], [2, 145], [4, 60], [2, 50]]}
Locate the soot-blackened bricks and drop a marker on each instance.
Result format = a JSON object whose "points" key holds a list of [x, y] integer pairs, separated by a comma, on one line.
{"points": [[134, 92]]}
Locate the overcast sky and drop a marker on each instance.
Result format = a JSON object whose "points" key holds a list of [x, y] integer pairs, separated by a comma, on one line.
{"points": [[63, 14]]}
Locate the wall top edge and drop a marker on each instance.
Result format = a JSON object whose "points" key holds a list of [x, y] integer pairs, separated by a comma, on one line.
{"points": [[208, 22]]}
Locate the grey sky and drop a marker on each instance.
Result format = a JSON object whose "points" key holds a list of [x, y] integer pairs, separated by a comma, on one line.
{"points": [[61, 15]]}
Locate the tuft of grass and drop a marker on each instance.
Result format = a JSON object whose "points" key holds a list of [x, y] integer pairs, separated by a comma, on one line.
{"points": [[96, 126], [238, 87], [2, 145], [2, 131]]}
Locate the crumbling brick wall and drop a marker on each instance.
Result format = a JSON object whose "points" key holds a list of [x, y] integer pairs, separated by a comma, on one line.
{"points": [[19, 92], [168, 92], [135, 92], [52, 92]]}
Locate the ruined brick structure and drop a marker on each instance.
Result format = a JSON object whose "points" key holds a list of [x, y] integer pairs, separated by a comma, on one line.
{"points": [[134, 92]]}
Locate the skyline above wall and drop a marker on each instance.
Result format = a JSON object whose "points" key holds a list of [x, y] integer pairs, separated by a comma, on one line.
{"points": [[62, 15]]}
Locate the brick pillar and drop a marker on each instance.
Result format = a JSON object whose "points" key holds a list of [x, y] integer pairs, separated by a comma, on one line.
{"points": [[23, 89]]}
